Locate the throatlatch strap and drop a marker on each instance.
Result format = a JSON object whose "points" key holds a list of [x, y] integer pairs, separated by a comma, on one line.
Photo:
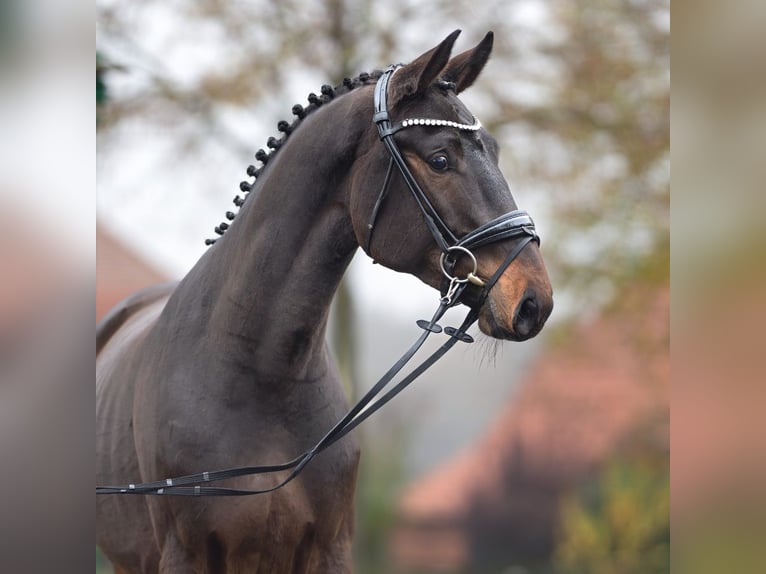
{"points": [[378, 203]]}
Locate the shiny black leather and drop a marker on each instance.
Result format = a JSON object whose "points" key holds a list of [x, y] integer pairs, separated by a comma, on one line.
{"points": [[512, 225]]}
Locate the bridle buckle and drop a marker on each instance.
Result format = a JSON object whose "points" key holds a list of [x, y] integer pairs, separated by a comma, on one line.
{"points": [[454, 281]]}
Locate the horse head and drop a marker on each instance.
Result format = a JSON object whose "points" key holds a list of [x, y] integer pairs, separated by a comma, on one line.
{"points": [[454, 161]]}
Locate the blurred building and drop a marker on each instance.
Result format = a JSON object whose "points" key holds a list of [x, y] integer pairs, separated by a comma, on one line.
{"points": [[498, 503], [119, 271]]}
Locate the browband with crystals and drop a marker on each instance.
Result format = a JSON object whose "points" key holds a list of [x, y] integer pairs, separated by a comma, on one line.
{"points": [[411, 122], [475, 126]]}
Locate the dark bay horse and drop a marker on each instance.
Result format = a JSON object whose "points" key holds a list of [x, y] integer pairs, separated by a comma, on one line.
{"points": [[230, 367]]}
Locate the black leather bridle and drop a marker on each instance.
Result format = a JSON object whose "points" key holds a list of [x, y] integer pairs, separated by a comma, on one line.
{"points": [[516, 224]]}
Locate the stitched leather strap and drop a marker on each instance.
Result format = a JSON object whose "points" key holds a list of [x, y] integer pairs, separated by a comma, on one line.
{"points": [[191, 485]]}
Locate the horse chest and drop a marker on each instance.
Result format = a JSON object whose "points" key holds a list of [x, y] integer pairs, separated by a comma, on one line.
{"points": [[251, 425], [306, 526]]}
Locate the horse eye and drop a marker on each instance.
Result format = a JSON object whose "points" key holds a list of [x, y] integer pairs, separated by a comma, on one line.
{"points": [[439, 162]]}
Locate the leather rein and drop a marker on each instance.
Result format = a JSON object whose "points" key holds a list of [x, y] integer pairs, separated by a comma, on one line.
{"points": [[469, 290]]}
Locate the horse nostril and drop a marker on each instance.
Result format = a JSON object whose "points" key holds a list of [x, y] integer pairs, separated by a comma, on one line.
{"points": [[528, 309], [527, 316]]}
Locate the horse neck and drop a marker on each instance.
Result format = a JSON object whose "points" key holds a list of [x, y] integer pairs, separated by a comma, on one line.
{"points": [[282, 259]]}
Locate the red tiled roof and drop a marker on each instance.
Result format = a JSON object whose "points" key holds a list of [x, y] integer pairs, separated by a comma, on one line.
{"points": [[119, 272], [578, 402]]}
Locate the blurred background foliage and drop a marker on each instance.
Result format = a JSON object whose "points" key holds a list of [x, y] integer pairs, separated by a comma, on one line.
{"points": [[577, 93], [618, 522], [585, 80]]}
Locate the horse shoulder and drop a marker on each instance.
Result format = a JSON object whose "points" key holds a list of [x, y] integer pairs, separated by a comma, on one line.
{"points": [[125, 309]]}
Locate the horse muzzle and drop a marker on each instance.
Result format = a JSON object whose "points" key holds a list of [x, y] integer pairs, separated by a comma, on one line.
{"points": [[521, 300]]}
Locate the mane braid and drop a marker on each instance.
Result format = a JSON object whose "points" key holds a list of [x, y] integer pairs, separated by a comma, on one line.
{"points": [[327, 94]]}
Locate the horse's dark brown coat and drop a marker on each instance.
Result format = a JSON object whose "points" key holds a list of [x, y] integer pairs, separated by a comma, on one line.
{"points": [[230, 367]]}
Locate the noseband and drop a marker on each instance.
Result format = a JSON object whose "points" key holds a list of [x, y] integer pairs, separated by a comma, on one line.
{"points": [[514, 224]]}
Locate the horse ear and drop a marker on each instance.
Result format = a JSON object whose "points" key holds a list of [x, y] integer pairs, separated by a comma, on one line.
{"points": [[414, 78], [464, 68]]}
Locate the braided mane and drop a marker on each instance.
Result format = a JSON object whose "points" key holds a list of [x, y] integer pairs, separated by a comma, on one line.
{"points": [[328, 93]]}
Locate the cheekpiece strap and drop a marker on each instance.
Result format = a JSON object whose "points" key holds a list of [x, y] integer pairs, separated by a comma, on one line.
{"points": [[439, 230]]}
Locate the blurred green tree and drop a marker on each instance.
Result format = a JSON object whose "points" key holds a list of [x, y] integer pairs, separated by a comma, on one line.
{"points": [[604, 129], [618, 523], [577, 93]]}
